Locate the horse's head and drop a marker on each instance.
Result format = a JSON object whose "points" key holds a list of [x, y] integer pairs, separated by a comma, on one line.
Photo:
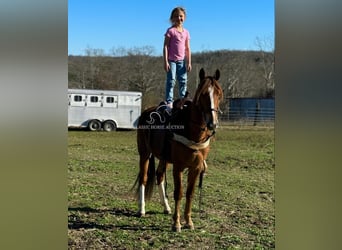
{"points": [[207, 98]]}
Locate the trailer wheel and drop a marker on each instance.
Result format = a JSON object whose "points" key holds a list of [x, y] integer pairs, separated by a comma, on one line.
{"points": [[94, 125], [109, 126]]}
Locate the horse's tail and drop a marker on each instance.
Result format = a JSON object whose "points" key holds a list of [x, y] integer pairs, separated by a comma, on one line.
{"points": [[151, 178]]}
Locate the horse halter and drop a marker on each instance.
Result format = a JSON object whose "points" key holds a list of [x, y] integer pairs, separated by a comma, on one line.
{"points": [[211, 91], [211, 119]]}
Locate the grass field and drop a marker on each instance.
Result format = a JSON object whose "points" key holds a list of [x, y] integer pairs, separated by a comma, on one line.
{"points": [[237, 210]]}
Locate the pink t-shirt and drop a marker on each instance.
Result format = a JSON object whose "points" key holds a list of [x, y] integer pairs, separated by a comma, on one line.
{"points": [[176, 49]]}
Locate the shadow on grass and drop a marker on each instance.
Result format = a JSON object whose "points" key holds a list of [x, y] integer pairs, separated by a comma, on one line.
{"points": [[75, 222]]}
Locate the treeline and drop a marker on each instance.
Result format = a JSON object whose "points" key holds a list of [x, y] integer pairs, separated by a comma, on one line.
{"points": [[243, 73]]}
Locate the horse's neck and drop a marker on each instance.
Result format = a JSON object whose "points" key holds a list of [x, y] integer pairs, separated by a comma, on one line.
{"points": [[197, 128], [192, 118]]}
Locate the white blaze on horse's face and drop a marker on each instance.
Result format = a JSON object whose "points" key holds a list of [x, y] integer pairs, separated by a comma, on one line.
{"points": [[213, 120]]}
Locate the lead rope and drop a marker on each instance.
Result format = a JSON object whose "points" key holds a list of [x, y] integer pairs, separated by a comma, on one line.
{"points": [[200, 191], [200, 185], [166, 185]]}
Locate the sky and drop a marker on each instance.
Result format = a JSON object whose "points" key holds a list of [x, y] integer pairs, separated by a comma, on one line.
{"points": [[213, 24]]}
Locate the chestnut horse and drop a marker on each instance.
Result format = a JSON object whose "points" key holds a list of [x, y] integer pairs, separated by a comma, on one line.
{"points": [[181, 139]]}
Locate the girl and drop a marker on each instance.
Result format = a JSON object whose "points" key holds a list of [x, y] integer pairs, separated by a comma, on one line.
{"points": [[177, 55]]}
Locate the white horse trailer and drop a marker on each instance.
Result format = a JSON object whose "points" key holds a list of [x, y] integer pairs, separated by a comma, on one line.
{"points": [[103, 109]]}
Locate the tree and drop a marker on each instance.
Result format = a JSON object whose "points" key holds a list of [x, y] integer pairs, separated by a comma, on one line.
{"points": [[143, 75], [243, 73], [93, 69], [267, 62]]}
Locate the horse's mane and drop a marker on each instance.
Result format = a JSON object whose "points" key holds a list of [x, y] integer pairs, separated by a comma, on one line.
{"points": [[204, 86]]}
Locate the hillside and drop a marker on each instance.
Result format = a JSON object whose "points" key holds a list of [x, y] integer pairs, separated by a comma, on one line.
{"points": [[243, 73]]}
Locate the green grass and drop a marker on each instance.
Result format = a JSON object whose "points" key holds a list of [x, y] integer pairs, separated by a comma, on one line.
{"points": [[237, 209]]}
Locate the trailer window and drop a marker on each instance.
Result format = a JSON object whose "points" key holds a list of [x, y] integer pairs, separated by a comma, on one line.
{"points": [[77, 98], [110, 102], [110, 99], [94, 99]]}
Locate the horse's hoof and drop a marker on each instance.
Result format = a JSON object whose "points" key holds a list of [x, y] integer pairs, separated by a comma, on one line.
{"points": [[167, 211], [176, 229], [189, 226], [140, 214]]}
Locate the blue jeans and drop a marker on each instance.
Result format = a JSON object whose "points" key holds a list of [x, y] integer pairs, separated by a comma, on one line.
{"points": [[176, 69]]}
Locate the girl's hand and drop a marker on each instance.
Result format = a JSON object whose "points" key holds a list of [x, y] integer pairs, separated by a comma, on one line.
{"points": [[189, 68], [166, 67]]}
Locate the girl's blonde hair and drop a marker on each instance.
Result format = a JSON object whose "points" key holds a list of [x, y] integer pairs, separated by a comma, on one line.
{"points": [[177, 10]]}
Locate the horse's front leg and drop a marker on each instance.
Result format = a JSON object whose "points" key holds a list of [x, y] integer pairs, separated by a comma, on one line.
{"points": [[161, 170], [192, 177], [177, 178]]}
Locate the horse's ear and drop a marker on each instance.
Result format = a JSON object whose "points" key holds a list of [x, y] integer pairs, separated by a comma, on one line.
{"points": [[201, 74], [217, 74]]}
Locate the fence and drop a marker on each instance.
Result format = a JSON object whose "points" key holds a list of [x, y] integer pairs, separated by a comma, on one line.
{"points": [[249, 111]]}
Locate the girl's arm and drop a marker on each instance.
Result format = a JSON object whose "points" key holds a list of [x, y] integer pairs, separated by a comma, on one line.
{"points": [[188, 54], [166, 53]]}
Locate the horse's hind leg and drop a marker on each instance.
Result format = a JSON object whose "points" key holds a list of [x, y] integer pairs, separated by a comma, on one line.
{"points": [[161, 170], [144, 161]]}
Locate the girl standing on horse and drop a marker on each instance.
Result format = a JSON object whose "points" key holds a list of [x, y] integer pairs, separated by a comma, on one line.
{"points": [[177, 55]]}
